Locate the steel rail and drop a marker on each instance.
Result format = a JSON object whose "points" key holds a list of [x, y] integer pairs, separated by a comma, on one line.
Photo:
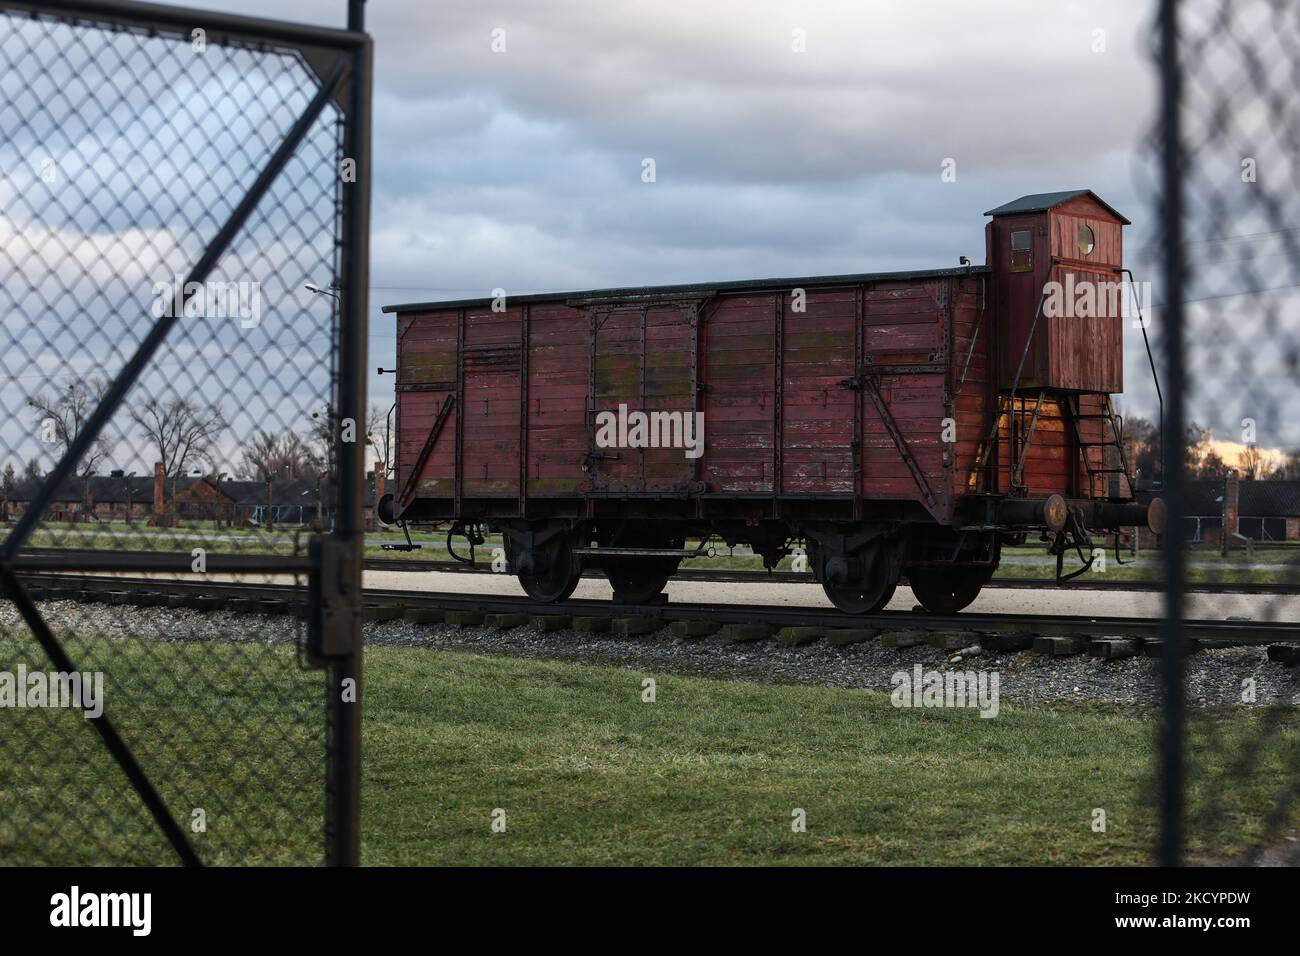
{"points": [[59, 559], [1244, 632], [736, 576]]}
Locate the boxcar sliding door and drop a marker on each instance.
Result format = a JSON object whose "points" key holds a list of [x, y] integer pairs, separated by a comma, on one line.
{"points": [[643, 363]]}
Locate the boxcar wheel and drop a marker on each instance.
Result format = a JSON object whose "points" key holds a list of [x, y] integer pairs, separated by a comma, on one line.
{"points": [[947, 591], [858, 600], [559, 581], [639, 582], [876, 589]]}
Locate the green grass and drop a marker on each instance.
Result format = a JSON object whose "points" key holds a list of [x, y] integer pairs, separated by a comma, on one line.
{"points": [[588, 773], [1236, 565], [233, 729], [235, 539], [711, 772]]}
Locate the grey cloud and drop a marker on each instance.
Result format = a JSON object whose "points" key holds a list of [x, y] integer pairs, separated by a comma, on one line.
{"points": [[522, 170]]}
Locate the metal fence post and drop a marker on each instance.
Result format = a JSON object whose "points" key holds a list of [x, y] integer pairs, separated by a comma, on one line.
{"points": [[1171, 661], [344, 844]]}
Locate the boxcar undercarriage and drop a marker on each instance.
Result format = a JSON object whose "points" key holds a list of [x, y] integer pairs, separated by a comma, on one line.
{"points": [[640, 544]]}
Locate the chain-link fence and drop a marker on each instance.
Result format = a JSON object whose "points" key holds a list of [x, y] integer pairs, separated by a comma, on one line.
{"points": [[1229, 336], [182, 278]]}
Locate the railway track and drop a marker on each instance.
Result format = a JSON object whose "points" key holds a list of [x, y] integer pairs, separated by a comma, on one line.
{"points": [[73, 561], [1049, 633], [733, 576]]}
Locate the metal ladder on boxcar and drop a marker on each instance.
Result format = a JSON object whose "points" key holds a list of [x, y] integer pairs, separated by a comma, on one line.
{"points": [[1022, 415], [1016, 412], [1114, 424]]}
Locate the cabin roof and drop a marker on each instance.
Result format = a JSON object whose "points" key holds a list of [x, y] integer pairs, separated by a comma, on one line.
{"points": [[1041, 202]]}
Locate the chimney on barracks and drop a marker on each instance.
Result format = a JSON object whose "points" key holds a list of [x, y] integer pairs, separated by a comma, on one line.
{"points": [[159, 502], [1231, 509]]}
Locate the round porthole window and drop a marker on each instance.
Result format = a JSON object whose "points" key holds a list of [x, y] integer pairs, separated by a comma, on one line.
{"points": [[1087, 241]]}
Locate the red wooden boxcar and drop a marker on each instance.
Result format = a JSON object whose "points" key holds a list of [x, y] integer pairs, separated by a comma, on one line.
{"points": [[895, 424]]}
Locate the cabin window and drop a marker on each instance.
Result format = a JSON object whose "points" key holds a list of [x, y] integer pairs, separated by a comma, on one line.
{"points": [[1022, 256], [1087, 241]]}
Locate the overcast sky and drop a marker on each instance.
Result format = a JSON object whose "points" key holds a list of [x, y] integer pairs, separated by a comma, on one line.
{"points": [[788, 139], [522, 169]]}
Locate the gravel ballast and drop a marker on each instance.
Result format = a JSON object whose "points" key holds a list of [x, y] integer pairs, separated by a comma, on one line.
{"points": [[1215, 676]]}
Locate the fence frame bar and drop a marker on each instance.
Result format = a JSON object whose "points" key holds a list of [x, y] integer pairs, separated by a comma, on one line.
{"points": [[343, 774], [1174, 717], [166, 18], [336, 55]]}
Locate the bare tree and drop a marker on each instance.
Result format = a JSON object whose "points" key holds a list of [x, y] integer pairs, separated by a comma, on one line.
{"points": [[1288, 469], [1196, 447], [324, 430], [9, 481], [1147, 439], [61, 418], [1251, 462], [182, 431], [32, 470], [270, 456], [377, 435], [1212, 466], [1202, 460]]}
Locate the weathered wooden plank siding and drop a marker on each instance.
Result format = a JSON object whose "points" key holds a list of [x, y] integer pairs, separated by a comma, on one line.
{"points": [[426, 374], [817, 432], [558, 345], [739, 370], [490, 402], [969, 379]]}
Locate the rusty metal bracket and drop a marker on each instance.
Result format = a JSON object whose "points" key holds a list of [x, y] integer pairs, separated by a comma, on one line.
{"points": [[975, 337], [778, 401], [908, 368], [616, 298], [333, 603], [856, 385], [412, 480], [872, 385], [447, 386]]}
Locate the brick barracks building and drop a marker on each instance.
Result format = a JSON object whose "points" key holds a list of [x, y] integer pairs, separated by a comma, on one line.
{"points": [[1263, 511], [157, 500]]}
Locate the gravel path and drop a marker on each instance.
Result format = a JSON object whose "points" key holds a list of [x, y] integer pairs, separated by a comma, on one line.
{"points": [[1215, 676], [1050, 600], [1258, 607]]}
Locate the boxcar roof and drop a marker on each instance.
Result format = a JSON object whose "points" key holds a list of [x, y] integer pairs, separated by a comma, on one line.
{"points": [[1041, 202], [635, 293]]}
